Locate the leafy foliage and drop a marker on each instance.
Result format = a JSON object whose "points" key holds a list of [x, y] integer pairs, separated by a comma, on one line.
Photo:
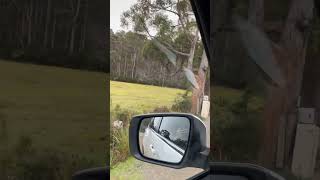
{"points": [[29, 163], [182, 103], [151, 17], [236, 129]]}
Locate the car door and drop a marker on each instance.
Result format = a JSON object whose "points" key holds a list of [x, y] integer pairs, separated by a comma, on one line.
{"points": [[172, 138], [151, 139]]}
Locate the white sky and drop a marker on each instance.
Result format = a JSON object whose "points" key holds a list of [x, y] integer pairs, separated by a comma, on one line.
{"points": [[117, 7]]}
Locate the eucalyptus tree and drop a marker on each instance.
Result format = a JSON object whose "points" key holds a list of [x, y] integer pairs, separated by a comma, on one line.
{"points": [[279, 50], [171, 25]]}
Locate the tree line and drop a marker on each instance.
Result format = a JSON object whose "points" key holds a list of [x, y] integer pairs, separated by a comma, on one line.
{"points": [[135, 58], [71, 33]]}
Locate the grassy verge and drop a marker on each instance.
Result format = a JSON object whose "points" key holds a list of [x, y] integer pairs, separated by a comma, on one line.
{"points": [[126, 170], [58, 108], [130, 99], [141, 98]]}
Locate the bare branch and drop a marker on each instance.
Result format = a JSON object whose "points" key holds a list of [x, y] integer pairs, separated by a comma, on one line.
{"points": [[167, 44]]}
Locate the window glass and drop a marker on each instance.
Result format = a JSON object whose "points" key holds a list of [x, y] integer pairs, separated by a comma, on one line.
{"points": [[156, 123], [176, 129]]}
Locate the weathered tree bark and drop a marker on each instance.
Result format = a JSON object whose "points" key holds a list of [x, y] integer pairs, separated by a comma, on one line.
{"points": [[197, 94], [282, 101], [192, 51]]}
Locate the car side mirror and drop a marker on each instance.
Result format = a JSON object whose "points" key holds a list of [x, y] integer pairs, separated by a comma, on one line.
{"points": [[174, 140]]}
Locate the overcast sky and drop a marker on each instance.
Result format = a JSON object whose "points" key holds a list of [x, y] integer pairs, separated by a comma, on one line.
{"points": [[117, 7]]}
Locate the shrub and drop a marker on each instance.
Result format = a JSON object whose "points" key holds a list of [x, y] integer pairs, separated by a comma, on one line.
{"points": [[182, 103], [119, 144], [123, 115], [161, 109], [29, 163], [236, 129]]}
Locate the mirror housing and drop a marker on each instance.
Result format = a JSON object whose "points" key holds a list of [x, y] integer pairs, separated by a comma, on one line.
{"points": [[196, 154]]}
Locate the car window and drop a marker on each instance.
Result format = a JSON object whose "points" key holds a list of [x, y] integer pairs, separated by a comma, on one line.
{"points": [[264, 87], [175, 129], [155, 123]]}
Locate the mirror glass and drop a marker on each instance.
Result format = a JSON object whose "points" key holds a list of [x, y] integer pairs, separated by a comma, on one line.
{"points": [[164, 138]]}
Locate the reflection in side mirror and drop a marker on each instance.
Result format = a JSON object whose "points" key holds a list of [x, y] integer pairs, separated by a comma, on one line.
{"points": [[164, 138], [175, 140]]}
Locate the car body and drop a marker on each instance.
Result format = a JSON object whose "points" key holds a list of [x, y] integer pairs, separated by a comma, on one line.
{"points": [[161, 143]]}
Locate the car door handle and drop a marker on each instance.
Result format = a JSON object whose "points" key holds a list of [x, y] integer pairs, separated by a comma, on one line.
{"points": [[152, 149]]}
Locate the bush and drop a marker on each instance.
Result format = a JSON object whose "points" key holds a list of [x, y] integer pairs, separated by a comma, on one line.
{"points": [[182, 103], [28, 163], [236, 129], [119, 144], [161, 109], [123, 115]]}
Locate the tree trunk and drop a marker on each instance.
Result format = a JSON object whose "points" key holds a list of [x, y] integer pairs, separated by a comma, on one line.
{"points": [[84, 27], [29, 18], [72, 37], [134, 65], [46, 31], [282, 101], [74, 27], [53, 31], [197, 94], [125, 67], [192, 51], [23, 28]]}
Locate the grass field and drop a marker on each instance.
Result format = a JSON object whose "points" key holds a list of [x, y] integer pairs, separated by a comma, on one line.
{"points": [[58, 108], [141, 98]]}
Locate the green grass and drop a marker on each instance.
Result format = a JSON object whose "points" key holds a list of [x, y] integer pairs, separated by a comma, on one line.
{"points": [[141, 98], [58, 108], [232, 95], [224, 92], [126, 170]]}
